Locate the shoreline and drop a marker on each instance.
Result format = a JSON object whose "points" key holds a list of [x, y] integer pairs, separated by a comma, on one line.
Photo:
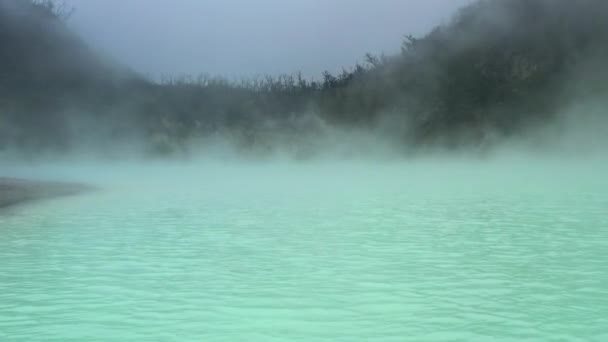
{"points": [[15, 191]]}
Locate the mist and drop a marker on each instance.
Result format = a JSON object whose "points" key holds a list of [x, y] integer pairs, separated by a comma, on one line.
{"points": [[244, 39], [303, 170], [484, 84]]}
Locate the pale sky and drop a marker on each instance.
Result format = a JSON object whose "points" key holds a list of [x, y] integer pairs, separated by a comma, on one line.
{"points": [[237, 38]]}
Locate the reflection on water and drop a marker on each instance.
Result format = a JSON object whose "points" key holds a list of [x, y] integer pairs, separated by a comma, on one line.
{"points": [[239, 261]]}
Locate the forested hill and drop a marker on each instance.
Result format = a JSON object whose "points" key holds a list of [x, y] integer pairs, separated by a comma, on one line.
{"points": [[46, 71], [498, 65], [40, 56], [498, 68]]}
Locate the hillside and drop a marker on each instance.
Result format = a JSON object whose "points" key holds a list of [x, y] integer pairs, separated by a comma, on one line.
{"points": [[497, 69], [46, 71], [498, 66]]}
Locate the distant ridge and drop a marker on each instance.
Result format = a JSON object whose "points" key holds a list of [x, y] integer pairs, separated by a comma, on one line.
{"points": [[498, 69]]}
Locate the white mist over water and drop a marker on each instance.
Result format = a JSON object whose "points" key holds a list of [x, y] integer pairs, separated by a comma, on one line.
{"points": [[446, 246], [441, 249], [471, 246], [332, 234]]}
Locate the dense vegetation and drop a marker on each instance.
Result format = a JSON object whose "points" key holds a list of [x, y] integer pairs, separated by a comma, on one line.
{"points": [[496, 69]]}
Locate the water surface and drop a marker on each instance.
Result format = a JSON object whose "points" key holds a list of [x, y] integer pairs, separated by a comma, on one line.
{"points": [[312, 254]]}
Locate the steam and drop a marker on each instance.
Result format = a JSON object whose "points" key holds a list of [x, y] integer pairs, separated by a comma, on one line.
{"points": [[115, 115]]}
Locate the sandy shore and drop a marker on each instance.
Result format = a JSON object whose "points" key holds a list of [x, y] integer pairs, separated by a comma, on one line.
{"points": [[16, 191]]}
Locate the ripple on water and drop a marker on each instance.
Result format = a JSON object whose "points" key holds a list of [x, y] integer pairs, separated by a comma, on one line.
{"points": [[192, 265]]}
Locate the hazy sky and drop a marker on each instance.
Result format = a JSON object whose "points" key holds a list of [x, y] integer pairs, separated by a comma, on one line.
{"points": [[248, 37]]}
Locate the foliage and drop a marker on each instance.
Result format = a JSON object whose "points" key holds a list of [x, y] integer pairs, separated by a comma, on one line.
{"points": [[498, 67]]}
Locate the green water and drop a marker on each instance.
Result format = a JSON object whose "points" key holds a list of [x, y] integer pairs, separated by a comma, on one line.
{"points": [[368, 254]]}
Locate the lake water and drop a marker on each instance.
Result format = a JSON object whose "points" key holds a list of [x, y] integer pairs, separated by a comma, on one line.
{"points": [[312, 253]]}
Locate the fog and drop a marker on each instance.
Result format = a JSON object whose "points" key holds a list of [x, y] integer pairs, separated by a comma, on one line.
{"points": [[453, 178], [240, 38], [425, 105]]}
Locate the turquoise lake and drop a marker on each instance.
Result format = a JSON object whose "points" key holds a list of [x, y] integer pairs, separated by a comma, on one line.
{"points": [[311, 253]]}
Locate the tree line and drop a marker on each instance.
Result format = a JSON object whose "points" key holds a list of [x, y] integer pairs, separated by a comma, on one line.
{"points": [[497, 68]]}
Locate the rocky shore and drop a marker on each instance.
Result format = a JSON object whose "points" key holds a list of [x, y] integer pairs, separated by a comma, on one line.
{"points": [[16, 191]]}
